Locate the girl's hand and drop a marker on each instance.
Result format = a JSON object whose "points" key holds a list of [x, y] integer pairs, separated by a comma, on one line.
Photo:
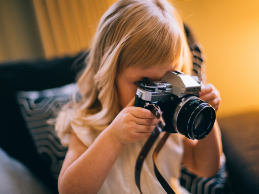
{"points": [[133, 124], [211, 95]]}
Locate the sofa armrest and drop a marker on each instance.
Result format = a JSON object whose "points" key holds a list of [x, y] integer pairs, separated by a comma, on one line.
{"points": [[240, 138], [39, 74], [15, 138]]}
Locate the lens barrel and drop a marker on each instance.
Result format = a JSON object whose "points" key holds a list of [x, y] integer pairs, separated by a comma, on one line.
{"points": [[194, 118]]}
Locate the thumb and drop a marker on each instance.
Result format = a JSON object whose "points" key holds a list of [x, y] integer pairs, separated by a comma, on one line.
{"points": [[131, 103]]}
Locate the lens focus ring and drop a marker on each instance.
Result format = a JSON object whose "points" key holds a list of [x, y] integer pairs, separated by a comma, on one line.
{"points": [[194, 118]]}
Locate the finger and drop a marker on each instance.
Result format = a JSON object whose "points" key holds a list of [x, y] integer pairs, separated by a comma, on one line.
{"points": [[131, 103], [207, 89], [144, 128], [140, 136], [216, 108], [209, 96], [140, 112], [142, 121], [215, 102], [147, 122]]}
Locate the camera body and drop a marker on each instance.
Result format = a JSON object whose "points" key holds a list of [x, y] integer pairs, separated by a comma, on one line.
{"points": [[177, 95]]}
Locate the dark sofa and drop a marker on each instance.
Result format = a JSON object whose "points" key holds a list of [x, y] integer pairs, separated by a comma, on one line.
{"points": [[240, 139], [239, 132], [25, 75]]}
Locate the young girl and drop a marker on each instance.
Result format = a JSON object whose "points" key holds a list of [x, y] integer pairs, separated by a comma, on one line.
{"points": [[135, 39]]}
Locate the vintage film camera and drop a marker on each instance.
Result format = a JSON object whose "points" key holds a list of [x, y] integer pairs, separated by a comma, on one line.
{"points": [[177, 95]]}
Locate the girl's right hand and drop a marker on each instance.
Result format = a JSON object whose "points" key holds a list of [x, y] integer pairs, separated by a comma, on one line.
{"points": [[133, 124]]}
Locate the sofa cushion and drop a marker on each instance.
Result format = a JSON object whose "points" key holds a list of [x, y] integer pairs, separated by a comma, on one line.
{"points": [[16, 178], [240, 140], [37, 108], [27, 75]]}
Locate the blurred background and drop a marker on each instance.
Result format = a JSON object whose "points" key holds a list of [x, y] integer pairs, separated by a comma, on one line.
{"points": [[227, 29]]}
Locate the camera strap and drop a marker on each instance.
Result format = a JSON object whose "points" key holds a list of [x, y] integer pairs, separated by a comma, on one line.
{"points": [[147, 146]]}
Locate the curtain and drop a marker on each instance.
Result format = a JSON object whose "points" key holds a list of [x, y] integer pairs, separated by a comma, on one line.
{"points": [[66, 27], [19, 35]]}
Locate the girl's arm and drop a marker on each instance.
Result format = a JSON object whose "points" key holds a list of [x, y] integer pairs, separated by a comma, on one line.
{"points": [[85, 169], [203, 156]]}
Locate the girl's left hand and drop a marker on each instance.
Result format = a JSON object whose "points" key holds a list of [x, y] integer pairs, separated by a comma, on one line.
{"points": [[211, 95]]}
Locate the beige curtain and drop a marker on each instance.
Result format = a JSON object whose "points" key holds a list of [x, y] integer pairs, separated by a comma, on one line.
{"points": [[67, 26]]}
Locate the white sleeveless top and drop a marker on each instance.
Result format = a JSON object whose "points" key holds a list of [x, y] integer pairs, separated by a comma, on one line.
{"points": [[121, 178]]}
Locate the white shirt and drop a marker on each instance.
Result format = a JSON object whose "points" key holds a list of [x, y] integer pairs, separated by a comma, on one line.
{"points": [[121, 178]]}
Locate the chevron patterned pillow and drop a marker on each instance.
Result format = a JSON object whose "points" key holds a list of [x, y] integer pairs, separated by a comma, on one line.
{"points": [[37, 107]]}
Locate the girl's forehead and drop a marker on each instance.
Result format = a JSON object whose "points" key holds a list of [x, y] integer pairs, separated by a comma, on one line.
{"points": [[152, 73]]}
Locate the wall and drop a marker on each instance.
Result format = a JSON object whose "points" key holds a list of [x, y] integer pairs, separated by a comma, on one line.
{"points": [[67, 26], [227, 29], [47, 28], [229, 33], [19, 35]]}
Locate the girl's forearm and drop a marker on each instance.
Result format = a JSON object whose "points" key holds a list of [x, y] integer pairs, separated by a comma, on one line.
{"points": [[207, 153], [88, 172]]}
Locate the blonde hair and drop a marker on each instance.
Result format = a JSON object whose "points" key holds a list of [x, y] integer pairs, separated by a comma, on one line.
{"points": [[132, 33]]}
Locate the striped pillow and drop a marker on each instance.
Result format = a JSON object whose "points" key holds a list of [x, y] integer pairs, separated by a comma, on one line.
{"points": [[37, 107]]}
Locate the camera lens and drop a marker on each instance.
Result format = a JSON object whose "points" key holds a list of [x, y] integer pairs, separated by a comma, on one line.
{"points": [[194, 118], [201, 122]]}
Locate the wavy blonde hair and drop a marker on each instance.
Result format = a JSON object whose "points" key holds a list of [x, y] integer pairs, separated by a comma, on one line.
{"points": [[132, 33]]}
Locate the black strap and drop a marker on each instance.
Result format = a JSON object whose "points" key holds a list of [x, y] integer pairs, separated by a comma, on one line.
{"points": [[161, 179], [142, 155]]}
